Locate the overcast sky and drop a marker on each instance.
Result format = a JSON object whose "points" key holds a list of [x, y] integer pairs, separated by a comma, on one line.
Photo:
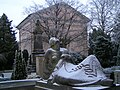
{"points": [[14, 9]]}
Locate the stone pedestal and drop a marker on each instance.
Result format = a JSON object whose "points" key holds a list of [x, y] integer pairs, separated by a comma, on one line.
{"points": [[41, 85], [39, 64]]}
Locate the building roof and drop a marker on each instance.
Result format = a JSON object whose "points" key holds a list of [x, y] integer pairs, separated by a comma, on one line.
{"points": [[30, 16]]}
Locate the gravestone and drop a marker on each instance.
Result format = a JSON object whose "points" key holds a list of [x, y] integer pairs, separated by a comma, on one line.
{"points": [[117, 76], [39, 64], [38, 52]]}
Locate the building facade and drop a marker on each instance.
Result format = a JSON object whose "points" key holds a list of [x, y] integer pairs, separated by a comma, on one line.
{"points": [[61, 21]]}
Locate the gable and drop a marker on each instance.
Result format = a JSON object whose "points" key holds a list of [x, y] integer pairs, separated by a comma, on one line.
{"points": [[64, 11]]}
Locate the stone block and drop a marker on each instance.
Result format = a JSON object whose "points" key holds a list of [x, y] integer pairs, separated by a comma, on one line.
{"points": [[117, 76], [41, 85], [39, 64]]}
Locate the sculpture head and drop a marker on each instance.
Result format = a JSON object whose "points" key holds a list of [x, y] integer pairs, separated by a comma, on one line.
{"points": [[66, 57], [54, 43]]}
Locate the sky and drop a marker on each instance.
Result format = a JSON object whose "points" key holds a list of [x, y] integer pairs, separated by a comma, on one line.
{"points": [[14, 9]]}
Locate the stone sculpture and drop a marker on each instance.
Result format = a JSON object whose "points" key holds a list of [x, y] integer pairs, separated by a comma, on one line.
{"points": [[89, 71], [59, 69], [52, 56]]}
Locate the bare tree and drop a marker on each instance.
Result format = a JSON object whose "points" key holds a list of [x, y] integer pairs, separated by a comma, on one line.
{"points": [[58, 20], [103, 12]]}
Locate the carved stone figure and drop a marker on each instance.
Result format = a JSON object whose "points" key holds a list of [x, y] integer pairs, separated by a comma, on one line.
{"points": [[89, 71], [59, 68], [38, 45], [52, 56]]}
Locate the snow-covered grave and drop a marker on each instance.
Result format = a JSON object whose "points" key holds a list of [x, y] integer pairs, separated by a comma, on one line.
{"points": [[4, 76], [116, 71], [8, 75]]}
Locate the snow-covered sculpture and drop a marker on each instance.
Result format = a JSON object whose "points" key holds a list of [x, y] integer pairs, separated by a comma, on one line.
{"points": [[52, 56], [59, 68], [89, 71]]}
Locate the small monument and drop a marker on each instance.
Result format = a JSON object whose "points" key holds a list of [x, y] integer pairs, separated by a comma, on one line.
{"points": [[38, 45], [38, 52], [59, 69]]}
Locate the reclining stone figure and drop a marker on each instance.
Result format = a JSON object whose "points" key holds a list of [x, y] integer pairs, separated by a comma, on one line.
{"points": [[59, 69], [88, 72]]}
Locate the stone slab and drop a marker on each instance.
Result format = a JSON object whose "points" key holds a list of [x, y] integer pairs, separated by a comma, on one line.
{"points": [[42, 85], [17, 83]]}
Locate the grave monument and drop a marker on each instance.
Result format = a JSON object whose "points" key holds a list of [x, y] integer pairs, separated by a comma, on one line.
{"points": [[57, 68]]}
